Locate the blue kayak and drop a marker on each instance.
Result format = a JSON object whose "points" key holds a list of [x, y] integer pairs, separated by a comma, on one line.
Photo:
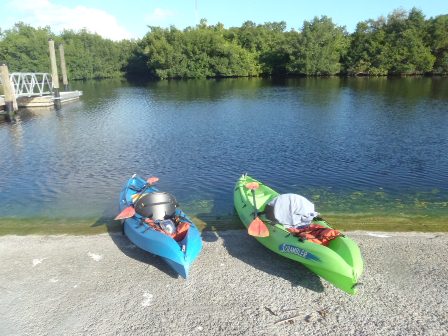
{"points": [[158, 226]]}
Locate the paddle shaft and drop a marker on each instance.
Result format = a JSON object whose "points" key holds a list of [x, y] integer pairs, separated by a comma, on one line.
{"points": [[142, 192], [257, 228], [255, 204], [149, 183]]}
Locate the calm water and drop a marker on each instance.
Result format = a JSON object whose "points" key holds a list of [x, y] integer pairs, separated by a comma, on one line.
{"points": [[349, 145]]}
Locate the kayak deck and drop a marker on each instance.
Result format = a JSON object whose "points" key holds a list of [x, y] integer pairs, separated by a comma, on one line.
{"points": [[339, 263], [179, 255]]}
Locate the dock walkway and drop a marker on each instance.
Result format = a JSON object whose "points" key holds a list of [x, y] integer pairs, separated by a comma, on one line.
{"points": [[48, 100]]}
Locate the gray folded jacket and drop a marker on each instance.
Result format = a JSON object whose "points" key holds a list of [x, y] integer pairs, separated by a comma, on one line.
{"points": [[291, 210]]}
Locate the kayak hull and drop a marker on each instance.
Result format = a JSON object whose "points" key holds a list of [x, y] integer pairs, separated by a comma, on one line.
{"points": [[179, 255], [340, 262]]}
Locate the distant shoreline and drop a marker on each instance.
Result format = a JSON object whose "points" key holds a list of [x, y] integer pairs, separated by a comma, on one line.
{"points": [[344, 222]]}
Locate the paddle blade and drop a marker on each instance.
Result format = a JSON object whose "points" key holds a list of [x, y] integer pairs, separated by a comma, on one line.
{"points": [[152, 180], [258, 229], [252, 185], [126, 213]]}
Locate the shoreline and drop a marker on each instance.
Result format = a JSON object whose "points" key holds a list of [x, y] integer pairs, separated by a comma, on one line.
{"points": [[103, 284], [343, 222]]}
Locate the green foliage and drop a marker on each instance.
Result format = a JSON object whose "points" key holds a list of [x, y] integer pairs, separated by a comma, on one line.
{"points": [[136, 65], [406, 50], [319, 48], [267, 43], [199, 52], [367, 51], [398, 45], [25, 49], [438, 42], [91, 56], [404, 43]]}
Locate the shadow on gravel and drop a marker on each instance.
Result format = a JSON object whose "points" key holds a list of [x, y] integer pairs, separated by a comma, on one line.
{"points": [[245, 248], [114, 229]]}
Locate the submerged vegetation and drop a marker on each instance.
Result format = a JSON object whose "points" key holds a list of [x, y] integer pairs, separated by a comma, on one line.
{"points": [[345, 222], [404, 43], [367, 211]]}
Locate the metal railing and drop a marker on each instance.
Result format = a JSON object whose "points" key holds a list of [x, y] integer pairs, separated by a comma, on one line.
{"points": [[27, 84]]}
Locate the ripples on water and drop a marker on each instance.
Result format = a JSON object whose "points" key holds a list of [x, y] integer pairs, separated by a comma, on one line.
{"points": [[355, 145]]}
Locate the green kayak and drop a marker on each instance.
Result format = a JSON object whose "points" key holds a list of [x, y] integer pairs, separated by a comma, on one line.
{"points": [[339, 262]]}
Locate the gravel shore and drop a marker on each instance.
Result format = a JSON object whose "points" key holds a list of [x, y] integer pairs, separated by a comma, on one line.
{"points": [[104, 285]]}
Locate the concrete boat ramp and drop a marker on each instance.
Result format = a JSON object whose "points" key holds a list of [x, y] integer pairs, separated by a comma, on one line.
{"points": [[104, 285]]}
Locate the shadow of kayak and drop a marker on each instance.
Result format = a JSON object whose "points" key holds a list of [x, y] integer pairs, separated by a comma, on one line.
{"points": [[245, 248], [132, 251]]}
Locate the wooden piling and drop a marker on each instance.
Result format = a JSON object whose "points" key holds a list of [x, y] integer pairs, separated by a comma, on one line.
{"points": [[10, 99], [54, 75], [63, 68]]}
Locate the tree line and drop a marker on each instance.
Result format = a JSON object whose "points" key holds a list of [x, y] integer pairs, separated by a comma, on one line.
{"points": [[404, 43]]}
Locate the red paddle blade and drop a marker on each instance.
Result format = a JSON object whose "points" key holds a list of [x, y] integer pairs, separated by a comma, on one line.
{"points": [[152, 180], [252, 185], [126, 213], [258, 229]]}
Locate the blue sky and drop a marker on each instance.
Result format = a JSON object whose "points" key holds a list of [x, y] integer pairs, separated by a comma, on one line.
{"points": [[129, 19]]}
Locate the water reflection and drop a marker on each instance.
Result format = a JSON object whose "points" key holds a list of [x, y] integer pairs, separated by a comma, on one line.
{"points": [[406, 90], [352, 145]]}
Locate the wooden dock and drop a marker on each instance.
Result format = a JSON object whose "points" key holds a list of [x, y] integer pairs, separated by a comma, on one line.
{"points": [[43, 101], [47, 101], [34, 90]]}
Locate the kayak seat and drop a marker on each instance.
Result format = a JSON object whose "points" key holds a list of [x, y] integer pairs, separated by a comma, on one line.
{"points": [[269, 212]]}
